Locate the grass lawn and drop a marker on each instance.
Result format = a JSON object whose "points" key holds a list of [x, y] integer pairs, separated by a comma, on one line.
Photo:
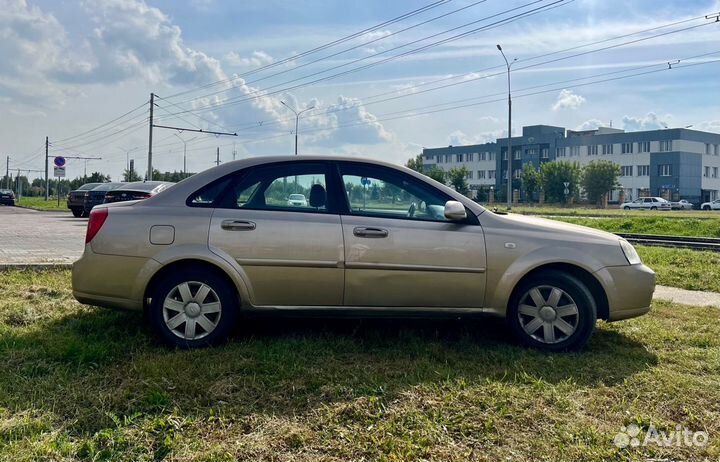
{"points": [[612, 211], [651, 225], [41, 204], [684, 268], [91, 384]]}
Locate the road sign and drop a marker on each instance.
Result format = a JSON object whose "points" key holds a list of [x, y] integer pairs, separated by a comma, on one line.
{"points": [[567, 191], [60, 172], [566, 184], [59, 161], [365, 181]]}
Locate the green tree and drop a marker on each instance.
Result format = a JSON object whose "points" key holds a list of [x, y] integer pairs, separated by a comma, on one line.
{"points": [[600, 177], [131, 175], [457, 177], [437, 174], [555, 174], [415, 163], [530, 179]]}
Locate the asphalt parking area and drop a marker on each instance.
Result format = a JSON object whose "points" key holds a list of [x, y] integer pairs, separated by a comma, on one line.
{"points": [[32, 237]]}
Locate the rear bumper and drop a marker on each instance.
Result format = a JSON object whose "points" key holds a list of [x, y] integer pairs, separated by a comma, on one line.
{"points": [[111, 281], [629, 290], [7, 201]]}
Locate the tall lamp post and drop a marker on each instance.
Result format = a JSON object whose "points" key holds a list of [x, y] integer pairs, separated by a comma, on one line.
{"points": [[509, 148], [297, 120], [184, 152]]}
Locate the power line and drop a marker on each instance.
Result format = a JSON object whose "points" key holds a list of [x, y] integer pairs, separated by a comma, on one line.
{"points": [[499, 23], [103, 125], [321, 47], [431, 109], [365, 103]]}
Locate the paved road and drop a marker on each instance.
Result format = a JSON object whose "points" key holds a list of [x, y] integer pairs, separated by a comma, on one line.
{"points": [[32, 237]]}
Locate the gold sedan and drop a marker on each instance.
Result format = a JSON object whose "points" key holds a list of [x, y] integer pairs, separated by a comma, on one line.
{"points": [[371, 237]]}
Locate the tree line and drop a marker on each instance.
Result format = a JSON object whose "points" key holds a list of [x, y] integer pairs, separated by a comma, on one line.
{"points": [[36, 187], [594, 180]]}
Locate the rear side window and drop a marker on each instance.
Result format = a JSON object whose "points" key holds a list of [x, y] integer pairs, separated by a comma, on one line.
{"points": [[208, 195]]}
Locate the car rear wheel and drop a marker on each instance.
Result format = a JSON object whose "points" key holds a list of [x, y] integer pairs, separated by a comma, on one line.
{"points": [[626, 207], [552, 311], [77, 213], [707, 207], [653, 208], [193, 308]]}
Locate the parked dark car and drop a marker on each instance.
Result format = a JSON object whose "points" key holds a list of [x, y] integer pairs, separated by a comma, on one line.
{"points": [[136, 191], [7, 197], [97, 195], [76, 199]]}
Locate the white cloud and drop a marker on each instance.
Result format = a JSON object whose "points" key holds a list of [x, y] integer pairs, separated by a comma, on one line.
{"points": [[650, 121], [347, 122], [568, 100], [460, 138], [256, 59], [132, 40], [708, 126], [591, 124]]}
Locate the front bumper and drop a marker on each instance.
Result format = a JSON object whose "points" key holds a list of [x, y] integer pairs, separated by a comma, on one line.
{"points": [[111, 281], [629, 290]]}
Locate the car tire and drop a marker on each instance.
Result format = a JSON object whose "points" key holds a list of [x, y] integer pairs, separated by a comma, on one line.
{"points": [[77, 213], [545, 328], [653, 208], [706, 208], [183, 320], [626, 208]]}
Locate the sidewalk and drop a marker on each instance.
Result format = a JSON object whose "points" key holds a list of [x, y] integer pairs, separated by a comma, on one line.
{"points": [[687, 297]]}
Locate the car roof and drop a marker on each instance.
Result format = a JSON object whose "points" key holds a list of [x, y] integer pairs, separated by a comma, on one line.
{"points": [[88, 186], [182, 190], [143, 185], [107, 186]]}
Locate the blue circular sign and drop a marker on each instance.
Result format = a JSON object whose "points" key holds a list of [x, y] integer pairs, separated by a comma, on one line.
{"points": [[365, 181], [59, 161]]}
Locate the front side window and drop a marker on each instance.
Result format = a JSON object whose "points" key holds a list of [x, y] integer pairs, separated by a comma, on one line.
{"points": [[289, 187], [381, 192]]}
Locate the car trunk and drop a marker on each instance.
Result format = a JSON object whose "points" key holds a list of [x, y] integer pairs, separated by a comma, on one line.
{"points": [[119, 195]]}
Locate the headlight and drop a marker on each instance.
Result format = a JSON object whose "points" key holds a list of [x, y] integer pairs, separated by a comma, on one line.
{"points": [[630, 253]]}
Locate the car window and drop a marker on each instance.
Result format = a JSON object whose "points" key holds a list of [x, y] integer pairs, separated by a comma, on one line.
{"points": [[291, 187], [383, 192]]}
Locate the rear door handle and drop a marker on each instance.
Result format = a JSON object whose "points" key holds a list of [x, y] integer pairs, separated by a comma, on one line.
{"points": [[237, 225], [370, 232]]}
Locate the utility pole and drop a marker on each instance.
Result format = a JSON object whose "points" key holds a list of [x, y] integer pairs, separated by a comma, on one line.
{"points": [[152, 106], [217, 160], [509, 148], [47, 160], [234, 151], [184, 153], [297, 121], [7, 173]]}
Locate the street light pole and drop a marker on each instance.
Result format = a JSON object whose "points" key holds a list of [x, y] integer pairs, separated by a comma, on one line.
{"points": [[297, 121], [184, 153], [509, 148]]}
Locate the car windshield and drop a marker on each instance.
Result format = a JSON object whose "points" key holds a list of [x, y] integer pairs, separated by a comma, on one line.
{"points": [[5, 191], [88, 186], [107, 186]]}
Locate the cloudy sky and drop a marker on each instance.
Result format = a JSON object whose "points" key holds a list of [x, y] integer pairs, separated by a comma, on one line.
{"points": [[81, 73]]}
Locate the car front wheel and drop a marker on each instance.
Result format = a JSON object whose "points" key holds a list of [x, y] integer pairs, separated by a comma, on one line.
{"points": [[707, 207], [626, 207], [193, 308], [77, 213], [552, 311]]}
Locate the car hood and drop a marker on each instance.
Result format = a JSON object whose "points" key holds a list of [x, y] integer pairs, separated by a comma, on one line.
{"points": [[557, 228]]}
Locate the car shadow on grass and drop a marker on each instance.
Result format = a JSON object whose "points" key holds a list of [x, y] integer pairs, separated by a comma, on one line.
{"points": [[96, 364]]}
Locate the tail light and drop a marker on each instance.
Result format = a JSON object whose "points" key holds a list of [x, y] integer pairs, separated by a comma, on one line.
{"points": [[95, 222], [142, 195]]}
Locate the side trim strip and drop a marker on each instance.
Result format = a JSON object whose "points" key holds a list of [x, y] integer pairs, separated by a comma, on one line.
{"points": [[290, 263], [397, 266]]}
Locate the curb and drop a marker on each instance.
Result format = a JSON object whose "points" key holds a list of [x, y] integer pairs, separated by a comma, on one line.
{"points": [[39, 209], [34, 266]]}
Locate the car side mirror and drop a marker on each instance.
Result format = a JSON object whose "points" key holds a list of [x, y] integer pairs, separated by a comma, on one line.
{"points": [[455, 211]]}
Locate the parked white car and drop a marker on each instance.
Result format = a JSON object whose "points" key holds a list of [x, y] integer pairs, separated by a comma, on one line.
{"points": [[713, 205], [648, 203], [681, 205], [297, 200]]}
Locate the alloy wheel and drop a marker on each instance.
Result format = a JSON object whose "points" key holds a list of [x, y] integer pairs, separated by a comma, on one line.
{"points": [[548, 314], [191, 310]]}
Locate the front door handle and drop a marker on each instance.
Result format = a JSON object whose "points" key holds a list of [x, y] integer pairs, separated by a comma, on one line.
{"points": [[237, 225], [370, 232]]}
